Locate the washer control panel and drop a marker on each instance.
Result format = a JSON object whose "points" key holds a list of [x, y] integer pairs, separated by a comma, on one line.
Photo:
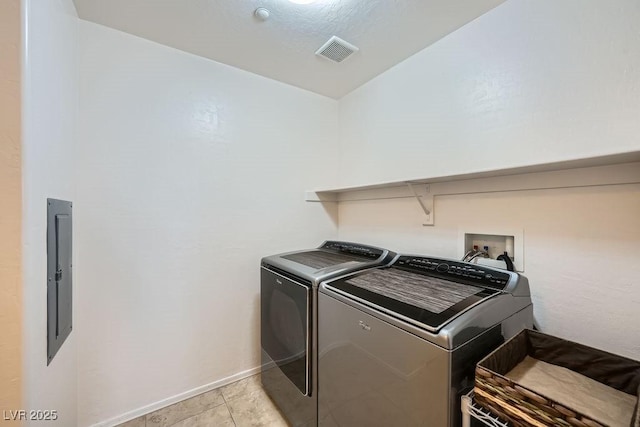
{"points": [[454, 270]]}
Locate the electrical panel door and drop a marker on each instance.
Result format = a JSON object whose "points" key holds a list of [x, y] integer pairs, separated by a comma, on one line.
{"points": [[59, 277]]}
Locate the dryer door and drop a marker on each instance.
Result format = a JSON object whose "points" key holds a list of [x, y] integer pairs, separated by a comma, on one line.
{"points": [[284, 326]]}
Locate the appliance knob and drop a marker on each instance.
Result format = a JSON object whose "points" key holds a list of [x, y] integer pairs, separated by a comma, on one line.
{"points": [[442, 267]]}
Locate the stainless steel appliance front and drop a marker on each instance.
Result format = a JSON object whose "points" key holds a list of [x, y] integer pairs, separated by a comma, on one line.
{"points": [[289, 320], [285, 326], [398, 345], [375, 374]]}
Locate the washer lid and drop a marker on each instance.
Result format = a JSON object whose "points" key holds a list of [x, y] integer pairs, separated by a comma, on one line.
{"points": [[427, 297]]}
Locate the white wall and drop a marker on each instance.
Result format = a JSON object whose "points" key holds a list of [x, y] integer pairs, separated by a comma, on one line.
{"points": [[531, 81], [49, 102], [579, 250], [191, 171]]}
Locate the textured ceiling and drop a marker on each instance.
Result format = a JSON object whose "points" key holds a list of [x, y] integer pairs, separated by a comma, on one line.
{"points": [[283, 47]]}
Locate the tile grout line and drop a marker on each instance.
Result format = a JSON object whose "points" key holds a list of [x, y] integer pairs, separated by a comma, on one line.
{"points": [[233, 420], [226, 404]]}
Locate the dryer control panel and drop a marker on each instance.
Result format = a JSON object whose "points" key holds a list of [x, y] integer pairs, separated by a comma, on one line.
{"points": [[353, 249]]}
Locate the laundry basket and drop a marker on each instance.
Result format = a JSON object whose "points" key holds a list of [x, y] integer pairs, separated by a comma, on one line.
{"points": [[539, 380]]}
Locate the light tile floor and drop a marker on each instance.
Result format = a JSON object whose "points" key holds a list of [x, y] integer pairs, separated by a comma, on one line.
{"points": [[241, 404]]}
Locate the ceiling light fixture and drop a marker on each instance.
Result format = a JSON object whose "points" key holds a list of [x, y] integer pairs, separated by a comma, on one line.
{"points": [[302, 1], [262, 13]]}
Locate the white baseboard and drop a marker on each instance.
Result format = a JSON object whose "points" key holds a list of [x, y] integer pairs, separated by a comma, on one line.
{"points": [[175, 399]]}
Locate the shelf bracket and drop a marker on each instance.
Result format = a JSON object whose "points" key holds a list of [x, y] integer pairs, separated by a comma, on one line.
{"points": [[426, 207]]}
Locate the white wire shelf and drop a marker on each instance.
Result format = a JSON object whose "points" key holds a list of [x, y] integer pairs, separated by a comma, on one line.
{"points": [[472, 409]]}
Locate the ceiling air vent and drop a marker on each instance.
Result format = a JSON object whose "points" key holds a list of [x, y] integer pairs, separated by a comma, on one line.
{"points": [[336, 49]]}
